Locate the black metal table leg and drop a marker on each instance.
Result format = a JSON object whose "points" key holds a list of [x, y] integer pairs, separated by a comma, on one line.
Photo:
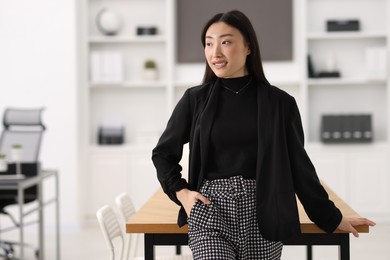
{"points": [[178, 249], [309, 252], [149, 247], [344, 247]]}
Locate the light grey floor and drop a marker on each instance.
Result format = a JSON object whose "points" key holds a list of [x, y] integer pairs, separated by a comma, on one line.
{"points": [[89, 244]]}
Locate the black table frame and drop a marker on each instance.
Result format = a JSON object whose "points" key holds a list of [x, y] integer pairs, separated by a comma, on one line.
{"points": [[305, 239]]}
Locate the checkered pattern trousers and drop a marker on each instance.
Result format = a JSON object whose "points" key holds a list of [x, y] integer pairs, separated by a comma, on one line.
{"points": [[227, 229]]}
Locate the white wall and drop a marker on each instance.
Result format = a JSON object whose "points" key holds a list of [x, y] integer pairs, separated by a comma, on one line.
{"points": [[38, 68]]}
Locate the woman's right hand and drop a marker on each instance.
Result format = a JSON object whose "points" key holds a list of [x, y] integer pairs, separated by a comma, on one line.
{"points": [[188, 198]]}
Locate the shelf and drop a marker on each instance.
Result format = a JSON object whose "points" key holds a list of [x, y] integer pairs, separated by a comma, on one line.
{"points": [[130, 84], [343, 81], [126, 147], [127, 39], [346, 35], [344, 146]]}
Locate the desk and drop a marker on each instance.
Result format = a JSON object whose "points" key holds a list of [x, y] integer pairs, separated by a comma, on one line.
{"points": [[20, 186], [157, 220]]}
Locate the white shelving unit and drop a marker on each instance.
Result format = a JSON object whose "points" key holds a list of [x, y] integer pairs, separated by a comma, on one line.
{"points": [[144, 106], [355, 171]]}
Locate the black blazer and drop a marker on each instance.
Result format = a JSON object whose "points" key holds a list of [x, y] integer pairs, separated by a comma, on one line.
{"points": [[283, 167]]}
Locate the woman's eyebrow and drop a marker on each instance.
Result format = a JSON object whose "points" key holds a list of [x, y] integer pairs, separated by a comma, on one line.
{"points": [[221, 36]]}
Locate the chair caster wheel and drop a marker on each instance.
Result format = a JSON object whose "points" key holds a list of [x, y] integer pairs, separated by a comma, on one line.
{"points": [[9, 254]]}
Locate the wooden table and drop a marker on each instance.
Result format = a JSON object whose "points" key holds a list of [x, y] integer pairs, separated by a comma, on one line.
{"points": [[158, 217]]}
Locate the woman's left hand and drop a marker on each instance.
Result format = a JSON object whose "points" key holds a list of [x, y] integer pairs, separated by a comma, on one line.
{"points": [[348, 224]]}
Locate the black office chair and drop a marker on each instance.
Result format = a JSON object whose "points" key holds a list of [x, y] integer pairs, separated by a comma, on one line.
{"points": [[23, 127]]}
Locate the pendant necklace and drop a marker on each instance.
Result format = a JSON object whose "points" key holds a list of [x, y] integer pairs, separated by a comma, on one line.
{"points": [[240, 90]]}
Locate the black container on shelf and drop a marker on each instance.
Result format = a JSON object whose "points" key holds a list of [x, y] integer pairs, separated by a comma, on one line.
{"points": [[111, 135], [146, 30], [346, 128], [342, 25]]}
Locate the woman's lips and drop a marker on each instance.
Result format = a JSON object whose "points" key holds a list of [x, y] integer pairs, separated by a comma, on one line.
{"points": [[219, 65]]}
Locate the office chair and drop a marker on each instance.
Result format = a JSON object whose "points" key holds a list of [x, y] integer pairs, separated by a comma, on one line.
{"points": [[111, 229], [127, 209], [25, 128]]}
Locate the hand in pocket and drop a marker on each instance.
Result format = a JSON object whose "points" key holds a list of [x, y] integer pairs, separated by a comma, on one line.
{"points": [[188, 199]]}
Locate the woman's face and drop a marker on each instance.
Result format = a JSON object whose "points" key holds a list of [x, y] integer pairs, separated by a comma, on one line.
{"points": [[226, 51]]}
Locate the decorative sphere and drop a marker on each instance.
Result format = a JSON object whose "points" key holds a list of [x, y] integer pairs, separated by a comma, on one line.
{"points": [[108, 22]]}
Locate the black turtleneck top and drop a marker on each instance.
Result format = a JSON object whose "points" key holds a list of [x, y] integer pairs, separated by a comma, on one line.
{"points": [[233, 138]]}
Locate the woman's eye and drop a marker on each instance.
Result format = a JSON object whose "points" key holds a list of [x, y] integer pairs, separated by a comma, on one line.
{"points": [[226, 42], [208, 44]]}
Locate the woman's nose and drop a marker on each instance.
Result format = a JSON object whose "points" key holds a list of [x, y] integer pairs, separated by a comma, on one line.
{"points": [[217, 51]]}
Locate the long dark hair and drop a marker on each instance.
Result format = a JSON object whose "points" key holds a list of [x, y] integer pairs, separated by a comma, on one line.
{"points": [[241, 22]]}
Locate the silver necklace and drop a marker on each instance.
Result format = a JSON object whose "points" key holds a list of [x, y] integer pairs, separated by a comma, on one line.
{"points": [[240, 90]]}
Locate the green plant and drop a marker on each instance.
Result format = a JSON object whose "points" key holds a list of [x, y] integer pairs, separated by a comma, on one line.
{"points": [[17, 146], [2, 155], [150, 64]]}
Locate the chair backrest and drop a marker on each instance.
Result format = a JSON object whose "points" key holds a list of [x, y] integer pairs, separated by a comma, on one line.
{"points": [[111, 229], [125, 205], [23, 127]]}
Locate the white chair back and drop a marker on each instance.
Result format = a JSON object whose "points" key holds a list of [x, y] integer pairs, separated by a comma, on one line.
{"points": [[111, 229], [125, 205], [127, 209]]}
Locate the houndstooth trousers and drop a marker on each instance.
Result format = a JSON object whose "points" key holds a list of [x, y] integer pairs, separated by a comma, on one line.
{"points": [[227, 229]]}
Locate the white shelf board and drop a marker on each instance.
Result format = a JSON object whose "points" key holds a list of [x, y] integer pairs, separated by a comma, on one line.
{"points": [[344, 81], [130, 84], [347, 146], [126, 147], [128, 39], [346, 35]]}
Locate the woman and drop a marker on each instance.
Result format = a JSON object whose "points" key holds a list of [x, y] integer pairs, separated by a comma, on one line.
{"points": [[247, 159]]}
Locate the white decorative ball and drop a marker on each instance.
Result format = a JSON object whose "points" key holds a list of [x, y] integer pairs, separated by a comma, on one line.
{"points": [[108, 22]]}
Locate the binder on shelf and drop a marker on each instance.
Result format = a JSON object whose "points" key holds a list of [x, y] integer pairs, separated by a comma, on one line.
{"points": [[346, 128], [106, 67], [376, 62]]}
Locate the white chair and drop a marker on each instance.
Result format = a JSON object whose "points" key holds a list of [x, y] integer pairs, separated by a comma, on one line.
{"points": [[111, 230], [127, 209]]}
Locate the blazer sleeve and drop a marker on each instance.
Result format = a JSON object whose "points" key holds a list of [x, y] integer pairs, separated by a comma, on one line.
{"points": [[168, 152], [314, 198]]}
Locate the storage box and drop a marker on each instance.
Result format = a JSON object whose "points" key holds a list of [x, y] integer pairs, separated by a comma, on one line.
{"points": [[342, 25], [346, 128]]}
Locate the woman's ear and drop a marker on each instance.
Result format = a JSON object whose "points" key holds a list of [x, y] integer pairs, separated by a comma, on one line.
{"points": [[248, 51]]}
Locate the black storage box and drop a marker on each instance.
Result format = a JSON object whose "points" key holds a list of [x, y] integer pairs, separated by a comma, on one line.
{"points": [[151, 30], [111, 135], [346, 128], [342, 25]]}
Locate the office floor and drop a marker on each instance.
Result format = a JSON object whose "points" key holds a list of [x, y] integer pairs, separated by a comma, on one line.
{"points": [[89, 244]]}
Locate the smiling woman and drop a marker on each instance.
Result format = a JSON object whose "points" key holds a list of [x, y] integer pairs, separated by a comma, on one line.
{"points": [[226, 51], [247, 159]]}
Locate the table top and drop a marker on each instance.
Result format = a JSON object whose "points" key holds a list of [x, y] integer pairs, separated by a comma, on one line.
{"points": [[159, 216], [26, 181]]}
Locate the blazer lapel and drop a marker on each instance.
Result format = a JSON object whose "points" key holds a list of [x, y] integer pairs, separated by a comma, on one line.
{"points": [[262, 126], [206, 121]]}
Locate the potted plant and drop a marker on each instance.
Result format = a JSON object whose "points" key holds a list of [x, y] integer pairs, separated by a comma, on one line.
{"points": [[150, 70], [16, 152], [3, 163]]}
